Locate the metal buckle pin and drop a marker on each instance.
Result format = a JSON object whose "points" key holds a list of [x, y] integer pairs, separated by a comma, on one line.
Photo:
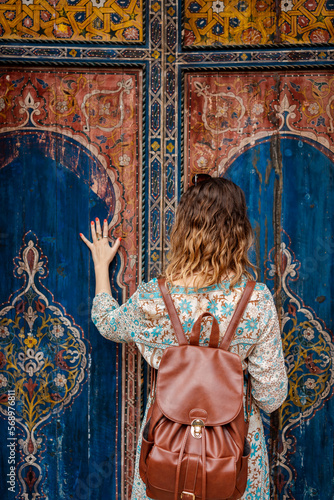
{"points": [[191, 495]]}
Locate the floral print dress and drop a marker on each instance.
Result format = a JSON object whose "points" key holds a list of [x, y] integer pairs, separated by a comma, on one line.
{"points": [[143, 319]]}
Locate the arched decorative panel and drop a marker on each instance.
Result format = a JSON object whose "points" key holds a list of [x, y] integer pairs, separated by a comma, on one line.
{"points": [[70, 145]]}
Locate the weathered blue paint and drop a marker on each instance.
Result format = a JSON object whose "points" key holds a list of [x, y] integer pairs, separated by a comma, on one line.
{"points": [[303, 207], [53, 199]]}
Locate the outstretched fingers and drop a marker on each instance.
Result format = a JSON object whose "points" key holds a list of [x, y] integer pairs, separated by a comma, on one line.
{"points": [[88, 243], [98, 228], [92, 228], [99, 234], [105, 229]]}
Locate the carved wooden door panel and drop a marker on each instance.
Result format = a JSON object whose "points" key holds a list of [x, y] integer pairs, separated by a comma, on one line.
{"points": [[271, 133], [69, 153]]}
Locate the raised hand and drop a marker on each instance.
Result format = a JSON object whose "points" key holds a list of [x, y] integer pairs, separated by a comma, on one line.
{"points": [[102, 253]]}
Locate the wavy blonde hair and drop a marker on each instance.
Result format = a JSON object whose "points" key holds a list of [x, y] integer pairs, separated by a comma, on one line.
{"points": [[211, 235]]}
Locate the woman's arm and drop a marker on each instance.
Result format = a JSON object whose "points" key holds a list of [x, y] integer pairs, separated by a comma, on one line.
{"points": [[102, 254], [117, 323], [266, 361]]}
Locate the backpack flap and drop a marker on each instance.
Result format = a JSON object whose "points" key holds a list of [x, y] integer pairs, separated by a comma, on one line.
{"points": [[205, 379]]}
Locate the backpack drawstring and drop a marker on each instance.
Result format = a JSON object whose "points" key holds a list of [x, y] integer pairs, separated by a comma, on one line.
{"points": [[203, 463], [179, 462]]}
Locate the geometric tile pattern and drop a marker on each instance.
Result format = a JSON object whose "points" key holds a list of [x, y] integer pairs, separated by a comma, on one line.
{"points": [[155, 142], [117, 21], [183, 60], [257, 22], [171, 186]]}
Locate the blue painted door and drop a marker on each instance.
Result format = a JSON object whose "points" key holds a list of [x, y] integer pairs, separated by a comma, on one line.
{"points": [[67, 153]]}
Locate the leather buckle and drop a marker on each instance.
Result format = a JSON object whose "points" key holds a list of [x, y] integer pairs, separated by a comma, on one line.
{"points": [[187, 495]]}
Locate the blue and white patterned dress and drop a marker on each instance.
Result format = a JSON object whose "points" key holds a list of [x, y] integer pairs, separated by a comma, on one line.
{"points": [[143, 319]]}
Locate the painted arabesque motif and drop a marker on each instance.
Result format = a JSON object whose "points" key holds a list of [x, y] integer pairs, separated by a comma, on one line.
{"points": [[99, 111], [44, 358], [231, 113], [309, 355]]}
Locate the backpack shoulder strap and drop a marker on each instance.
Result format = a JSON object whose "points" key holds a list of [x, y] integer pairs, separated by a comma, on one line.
{"points": [[240, 309], [172, 312]]}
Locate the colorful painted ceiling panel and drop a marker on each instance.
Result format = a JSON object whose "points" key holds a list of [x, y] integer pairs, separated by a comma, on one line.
{"points": [[118, 21], [257, 22]]}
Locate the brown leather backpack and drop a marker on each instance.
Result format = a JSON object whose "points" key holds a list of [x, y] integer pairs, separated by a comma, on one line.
{"points": [[194, 443]]}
